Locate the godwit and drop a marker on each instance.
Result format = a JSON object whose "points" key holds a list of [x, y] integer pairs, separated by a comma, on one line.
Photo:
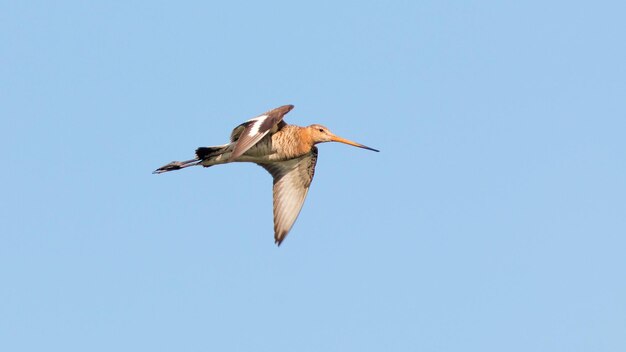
{"points": [[288, 152]]}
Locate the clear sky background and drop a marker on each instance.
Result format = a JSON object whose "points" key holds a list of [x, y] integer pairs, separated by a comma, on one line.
{"points": [[493, 219]]}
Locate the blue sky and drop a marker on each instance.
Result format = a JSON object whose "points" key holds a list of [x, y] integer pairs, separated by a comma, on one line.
{"points": [[493, 219]]}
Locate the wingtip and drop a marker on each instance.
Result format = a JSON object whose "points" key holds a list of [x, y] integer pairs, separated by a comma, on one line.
{"points": [[281, 110], [278, 239]]}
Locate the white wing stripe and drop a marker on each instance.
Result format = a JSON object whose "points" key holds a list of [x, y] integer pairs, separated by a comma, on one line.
{"points": [[254, 128]]}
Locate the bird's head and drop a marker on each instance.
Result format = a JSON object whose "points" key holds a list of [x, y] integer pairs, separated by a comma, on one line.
{"points": [[321, 134]]}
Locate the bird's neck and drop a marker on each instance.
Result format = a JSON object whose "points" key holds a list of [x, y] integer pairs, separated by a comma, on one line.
{"points": [[306, 141], [292, 141]]}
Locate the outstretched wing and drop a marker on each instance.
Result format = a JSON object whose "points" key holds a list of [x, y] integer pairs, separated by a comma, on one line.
{"points": [[250, 132], [292, 179]]}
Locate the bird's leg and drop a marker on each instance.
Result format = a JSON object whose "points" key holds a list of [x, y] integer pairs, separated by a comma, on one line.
{"points": [[176, 165]]}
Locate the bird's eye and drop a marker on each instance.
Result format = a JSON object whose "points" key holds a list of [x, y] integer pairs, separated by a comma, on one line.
{"points": [[321, 130]]}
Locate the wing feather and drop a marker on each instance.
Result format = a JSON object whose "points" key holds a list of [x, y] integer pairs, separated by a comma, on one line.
{"points": [[292, 179], [252, 131]]}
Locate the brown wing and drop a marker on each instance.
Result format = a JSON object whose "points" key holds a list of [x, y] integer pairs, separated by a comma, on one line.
{"points": [[250, 132], [292, 179]]}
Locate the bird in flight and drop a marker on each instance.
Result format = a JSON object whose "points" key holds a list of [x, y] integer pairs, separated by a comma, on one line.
{"points": [[286, 151]]}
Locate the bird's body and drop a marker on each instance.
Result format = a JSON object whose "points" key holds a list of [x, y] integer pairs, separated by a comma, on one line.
{"points": [[287, 143], [287, 152]]}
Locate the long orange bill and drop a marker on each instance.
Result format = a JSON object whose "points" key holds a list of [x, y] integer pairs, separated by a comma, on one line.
{"points": [[349, 142]]}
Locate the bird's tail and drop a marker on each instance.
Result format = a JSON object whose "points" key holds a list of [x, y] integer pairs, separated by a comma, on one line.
{"points": [[205, 153], [204, 156]]}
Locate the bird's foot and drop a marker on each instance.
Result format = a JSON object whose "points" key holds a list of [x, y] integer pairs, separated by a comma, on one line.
{"points": [[174, 165]]}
